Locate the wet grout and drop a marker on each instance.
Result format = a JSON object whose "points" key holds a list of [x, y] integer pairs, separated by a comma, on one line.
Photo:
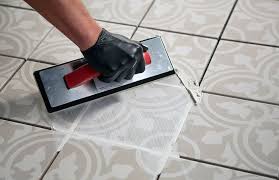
{"points": [[177, 32], [16, 7], [227, 167], [11, 77], [247, 42], [219, 39], [242, 98], [114, 22], [40, 61], [36, 47], [49, 165], [26, 123], [145, 14]]}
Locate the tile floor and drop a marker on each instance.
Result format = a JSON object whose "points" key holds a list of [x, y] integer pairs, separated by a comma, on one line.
{"points": [[230, 46]]}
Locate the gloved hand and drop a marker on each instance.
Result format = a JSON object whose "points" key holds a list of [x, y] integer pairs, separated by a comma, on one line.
{"points": [[115, 57]]}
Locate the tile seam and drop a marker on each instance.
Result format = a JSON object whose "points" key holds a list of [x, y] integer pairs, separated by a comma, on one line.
{"points": [[49, 165], [12, 76], [41, 41], [249, 42], [219, 39], [238, 97], [16, 7], [141, 20], [26, 123], [228, 167], [177, 32]]}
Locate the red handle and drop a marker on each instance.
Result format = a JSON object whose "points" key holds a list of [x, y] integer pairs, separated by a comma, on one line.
{"points": [[85, 73]]}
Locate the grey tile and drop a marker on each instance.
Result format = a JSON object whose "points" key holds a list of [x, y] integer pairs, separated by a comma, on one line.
{"points": [[255, 21], [25, 151], [86, 159], [180, 169], [122, 11], [57, 48], [233, 132], [188, 54], [21, 31], [20, 99], [244, 70], [196, 17], [16, 3], [7, 67]]}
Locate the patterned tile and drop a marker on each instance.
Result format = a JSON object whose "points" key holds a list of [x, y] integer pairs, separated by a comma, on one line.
{"points": [[84, 159], [234, 132], [188, 54], [123, 11], [255, 21], [201, 17], [20, 31], [7, 67], [20, 99], [25, 151], [57, 48], [244, 70], [16, 3], [178, 169], [149, 116]]}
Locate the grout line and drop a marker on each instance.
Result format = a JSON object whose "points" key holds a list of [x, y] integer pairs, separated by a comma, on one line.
{"points": [[145, 14], [158, 177], [11, 77], [26, 123], [219, 39], [41, 61], [12, 56], [37, 46], [49, 165], [228, 167], [16, 7], [209, 61], [242, 98], [177, 32], [114, 22], [247, 42]]}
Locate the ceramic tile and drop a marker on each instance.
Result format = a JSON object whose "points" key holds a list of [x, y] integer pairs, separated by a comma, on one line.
{"points": [[57, 48], [21, 100], [255, 21], [7, 67], [180, 169], [20, 31], [25, 151], [122, 11], [84, 159], [244, 70], [16, 3], [233, 132], [188, 54], [201, 17]]}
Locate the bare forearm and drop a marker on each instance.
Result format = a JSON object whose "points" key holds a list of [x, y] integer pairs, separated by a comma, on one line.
{"points": [[71, 18]]}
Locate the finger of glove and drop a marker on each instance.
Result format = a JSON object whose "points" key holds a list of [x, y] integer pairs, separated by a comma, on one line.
{"points": [[122, 75], [140, 63], [130, 74], [115, 74]]}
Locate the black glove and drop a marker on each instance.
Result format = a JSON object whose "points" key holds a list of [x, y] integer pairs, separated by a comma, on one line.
{"points": [[115, 57]]}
